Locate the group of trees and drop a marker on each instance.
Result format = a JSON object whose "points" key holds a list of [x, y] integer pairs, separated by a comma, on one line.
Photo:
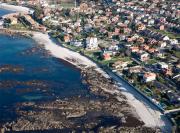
{"points": [[38, 14]]}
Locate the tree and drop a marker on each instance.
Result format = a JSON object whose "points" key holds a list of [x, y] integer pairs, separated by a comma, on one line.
{"points": [[38, 12]]}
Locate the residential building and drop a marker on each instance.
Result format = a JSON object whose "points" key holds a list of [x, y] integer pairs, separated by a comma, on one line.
{"points": [[162, 65], [143, 56], [91, 43], [106, 56], [148, 77], [119, 65]]}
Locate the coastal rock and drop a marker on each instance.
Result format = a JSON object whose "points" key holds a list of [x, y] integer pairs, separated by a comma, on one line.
{"points": [[10, 68]]}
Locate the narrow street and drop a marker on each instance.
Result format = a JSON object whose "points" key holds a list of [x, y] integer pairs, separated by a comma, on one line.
{"points": [[148, 112]]}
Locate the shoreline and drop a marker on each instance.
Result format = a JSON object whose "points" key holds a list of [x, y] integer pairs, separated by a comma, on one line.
{"points": [[14, 8], [115, 108], [149, 115], [67, 55]]}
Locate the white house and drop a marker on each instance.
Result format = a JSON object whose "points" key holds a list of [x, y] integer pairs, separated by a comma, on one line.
{"points": [[166, 38], [173, 41], [163, 65], [113, 48], [148, 77], [143, 56], [91, 43], [162, 44], [151, 22]]}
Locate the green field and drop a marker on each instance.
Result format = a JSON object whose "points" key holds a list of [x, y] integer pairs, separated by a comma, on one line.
{"points": [[18, 26], [67, 4]]}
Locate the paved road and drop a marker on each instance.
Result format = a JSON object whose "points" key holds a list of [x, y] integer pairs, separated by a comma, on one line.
{"points": [[147, 111]]}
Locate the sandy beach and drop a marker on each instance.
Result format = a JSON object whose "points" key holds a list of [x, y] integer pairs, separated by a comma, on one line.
{"points": [[146, 111], [63, 53]]}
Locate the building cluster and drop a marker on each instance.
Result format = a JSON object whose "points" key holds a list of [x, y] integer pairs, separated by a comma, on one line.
{"points": [[138, 39], [21, 18], [145, 31]]}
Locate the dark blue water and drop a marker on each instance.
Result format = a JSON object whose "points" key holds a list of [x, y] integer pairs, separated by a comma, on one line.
{"points": [[60, 78], [4, 12], [42, 77]]}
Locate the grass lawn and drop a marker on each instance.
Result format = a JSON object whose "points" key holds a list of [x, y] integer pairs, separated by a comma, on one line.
{"points": [[170, 34], [67, 5], [18, 26], [114, 59], [152, 61], [177, 54], [95, 55]]}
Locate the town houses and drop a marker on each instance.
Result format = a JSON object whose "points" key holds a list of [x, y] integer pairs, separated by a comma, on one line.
{"points": [[139, 40], [25, 19]]}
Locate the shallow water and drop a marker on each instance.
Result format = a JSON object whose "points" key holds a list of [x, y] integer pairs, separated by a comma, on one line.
{"points": [[51, 75], [41, 76]]}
